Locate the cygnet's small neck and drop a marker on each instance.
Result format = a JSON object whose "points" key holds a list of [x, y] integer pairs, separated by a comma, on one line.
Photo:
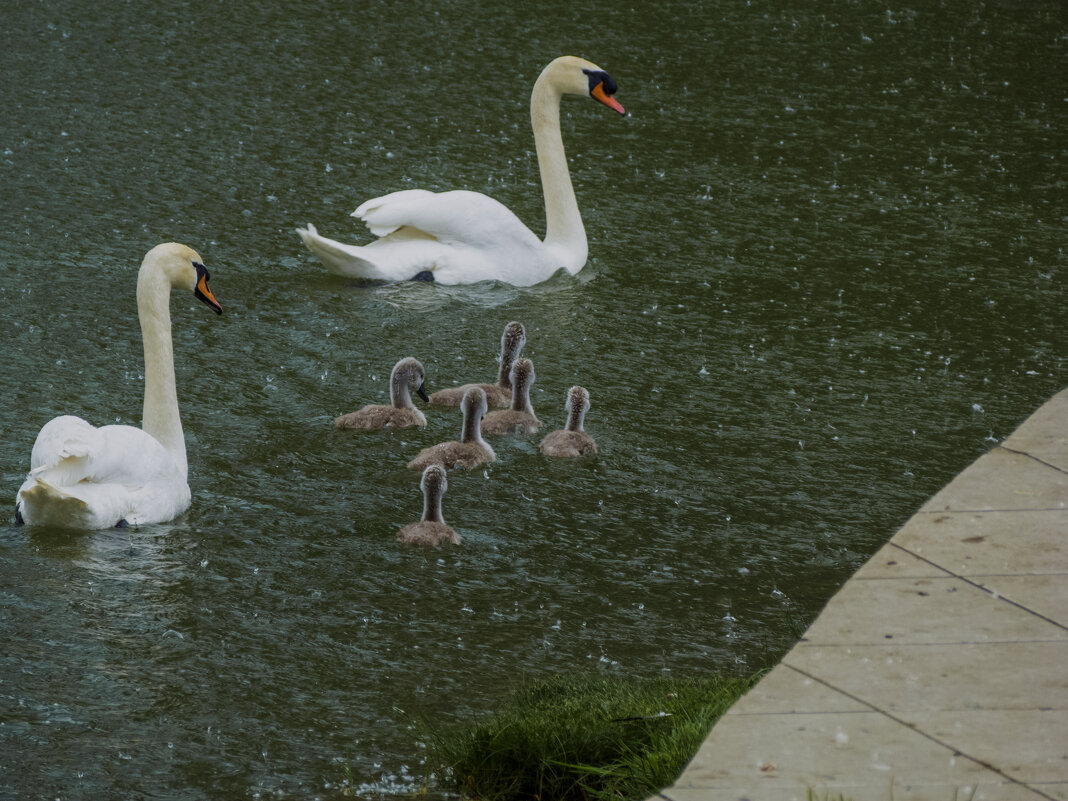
{"points": [[432, 492], [399, 395]]}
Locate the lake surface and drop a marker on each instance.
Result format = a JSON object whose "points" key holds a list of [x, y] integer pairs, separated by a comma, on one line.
{"points": [[826, 273]]}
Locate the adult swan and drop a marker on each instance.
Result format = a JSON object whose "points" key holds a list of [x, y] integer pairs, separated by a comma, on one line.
{"points": [[83, 477], [461, 237]]}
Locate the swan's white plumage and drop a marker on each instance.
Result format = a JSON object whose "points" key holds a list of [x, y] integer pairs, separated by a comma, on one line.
{"points": [[90, 478], [463, 237], [85, 477]]}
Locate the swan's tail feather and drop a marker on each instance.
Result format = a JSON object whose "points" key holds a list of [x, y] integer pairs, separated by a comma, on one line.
{"points": [[46, 505], [340, 259]]}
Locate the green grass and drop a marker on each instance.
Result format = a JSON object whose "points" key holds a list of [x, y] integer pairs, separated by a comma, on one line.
{"points": [[587, 737]]}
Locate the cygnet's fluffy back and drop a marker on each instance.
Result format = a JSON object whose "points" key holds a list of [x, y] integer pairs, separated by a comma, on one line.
{"points": [[520, 418], [499, 394], [407, 374], [470, 450], [432, 529], [572, 440]]}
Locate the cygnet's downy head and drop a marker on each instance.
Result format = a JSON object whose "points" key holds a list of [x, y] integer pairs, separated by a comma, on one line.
{"points": [[409, 372], [474, 406], [522, 376], [434, 481], [512, 341], [522, 381], [576, 406], [514, 337]]}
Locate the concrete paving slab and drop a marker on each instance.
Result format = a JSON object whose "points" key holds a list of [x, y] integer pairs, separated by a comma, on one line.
{"points": [[1058, 790], [1044, 434], [909, 681], [954, 639], [1030, 746], [923, 610], [978, 543], [895, 790], [1003, 479], [892, 562], [784, 691], [1042, 595], [838, 752]]}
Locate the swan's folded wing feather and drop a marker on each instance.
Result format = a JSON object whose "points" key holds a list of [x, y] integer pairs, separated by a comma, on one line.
{"points": [[68, 451], [459, 218], [384, 215], [64, 442]]}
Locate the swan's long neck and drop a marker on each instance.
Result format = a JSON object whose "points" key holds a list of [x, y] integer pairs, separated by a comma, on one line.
{"points": [[160, 417], [564, 233]]}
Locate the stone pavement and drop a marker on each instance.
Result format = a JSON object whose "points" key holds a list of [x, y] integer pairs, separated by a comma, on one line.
{"points": [[939, 671]]}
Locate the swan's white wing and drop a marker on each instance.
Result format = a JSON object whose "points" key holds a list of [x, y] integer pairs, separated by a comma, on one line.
{"points": [[459, 237], [68, 450], [65, 440], [86, 477], [384, 215], [398, 256], [459, 218]]}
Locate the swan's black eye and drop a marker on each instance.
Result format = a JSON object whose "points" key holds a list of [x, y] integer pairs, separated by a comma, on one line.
{"points": [[202, 271], [603, 78]]}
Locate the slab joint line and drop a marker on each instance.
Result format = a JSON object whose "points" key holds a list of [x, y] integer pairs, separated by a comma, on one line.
{"points": [[922, 733], [998, 596]]}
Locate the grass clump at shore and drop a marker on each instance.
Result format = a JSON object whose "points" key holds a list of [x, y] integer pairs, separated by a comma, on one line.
{"points": [[586, 737]]}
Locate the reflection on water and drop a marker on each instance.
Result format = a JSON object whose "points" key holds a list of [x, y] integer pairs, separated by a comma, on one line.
{"points": [[826, 273]]}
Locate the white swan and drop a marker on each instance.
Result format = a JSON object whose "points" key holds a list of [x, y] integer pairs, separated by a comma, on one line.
{"points": [[461, 237], [83, 477]]}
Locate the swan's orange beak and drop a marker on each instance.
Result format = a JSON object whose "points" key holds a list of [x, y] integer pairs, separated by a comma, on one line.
{"points": [[598, 93], [202, 291]]}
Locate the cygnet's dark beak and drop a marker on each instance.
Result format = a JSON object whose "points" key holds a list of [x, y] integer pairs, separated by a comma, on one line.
{"points": [[422, 393]]}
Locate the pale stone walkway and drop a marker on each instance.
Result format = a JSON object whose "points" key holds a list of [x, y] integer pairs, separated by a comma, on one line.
{"points": [[940, 670]]}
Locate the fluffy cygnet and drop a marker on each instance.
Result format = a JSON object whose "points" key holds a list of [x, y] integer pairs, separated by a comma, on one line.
{"points": [[499, 394], [471, 450], [431, 530], [407, 374], [519, 419], [572, 441]]}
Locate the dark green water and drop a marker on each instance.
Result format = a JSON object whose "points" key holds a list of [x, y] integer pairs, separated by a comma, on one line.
{"points": [[827, 272]]}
